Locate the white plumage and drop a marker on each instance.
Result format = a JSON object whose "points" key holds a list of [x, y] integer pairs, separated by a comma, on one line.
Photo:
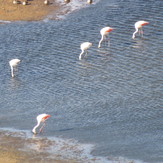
{"points": [[13, 63], [104, 32], [138, 27], [41, 118], [46, 2], [84, 46]]}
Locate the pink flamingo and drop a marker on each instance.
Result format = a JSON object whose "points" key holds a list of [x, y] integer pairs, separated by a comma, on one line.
{"points": [[40, 118], [138, 27], [104, 32], [13, 63], [84, 46]]}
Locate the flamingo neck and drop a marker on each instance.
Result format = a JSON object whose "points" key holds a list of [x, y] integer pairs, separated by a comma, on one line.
{"points": [[102, 38], [34, 129], [12, 71], [81, 54], [133, 36]]}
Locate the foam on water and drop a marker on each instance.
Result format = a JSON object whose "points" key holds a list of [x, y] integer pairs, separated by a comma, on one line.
{"points": [[4, 22], [72, 6]]}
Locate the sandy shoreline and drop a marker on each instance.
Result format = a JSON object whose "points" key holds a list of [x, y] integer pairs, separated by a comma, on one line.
{"points": [[34, 11], [12, 156], [14, 149]]}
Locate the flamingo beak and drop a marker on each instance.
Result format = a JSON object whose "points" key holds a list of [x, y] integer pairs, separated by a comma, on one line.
{"points": [[109, 30], [47, 116], [145, 23]]}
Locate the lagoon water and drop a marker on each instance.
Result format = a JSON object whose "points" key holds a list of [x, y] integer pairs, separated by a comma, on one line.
{"points": [[104, 108]]}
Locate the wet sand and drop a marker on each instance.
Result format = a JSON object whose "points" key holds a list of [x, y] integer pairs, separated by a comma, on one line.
{"points": [[33, 11], [12, 156], [15, 149]]}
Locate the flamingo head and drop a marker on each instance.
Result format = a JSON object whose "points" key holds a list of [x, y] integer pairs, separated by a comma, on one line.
{"points": [[106, 30], [141, 23], [40, 118], [45, 117], [145, 23], [109, 29]]}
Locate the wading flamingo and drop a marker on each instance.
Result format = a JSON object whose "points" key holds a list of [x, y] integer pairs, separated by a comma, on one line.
{"points": [[104, 32], [13, 63], [41, 118], [25, 3], [84, 46], [46, 2], [89, 1], [138, 27], [15, 2], [66, 1]]}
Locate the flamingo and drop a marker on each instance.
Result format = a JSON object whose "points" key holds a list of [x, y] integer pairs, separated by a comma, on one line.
{"points": [[89, 1], [66, 1], [15, 2], [138, 27], [40, 118], [13, 63], [84, 46], [25, 2], [46, 2], [104, 32]]}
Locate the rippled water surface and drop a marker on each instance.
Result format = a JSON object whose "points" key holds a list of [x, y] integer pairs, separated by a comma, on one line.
{"points": [[110, 99]]}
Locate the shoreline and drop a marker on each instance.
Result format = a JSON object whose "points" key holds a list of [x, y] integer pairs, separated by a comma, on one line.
{"points": [[18, 149], [35, 10], [22, 146]]}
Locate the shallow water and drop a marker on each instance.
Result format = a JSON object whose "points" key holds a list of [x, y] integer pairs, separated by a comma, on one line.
{"points": [[110, 100]]}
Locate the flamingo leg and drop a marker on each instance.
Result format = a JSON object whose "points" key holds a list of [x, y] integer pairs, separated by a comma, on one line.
{"points": [[86, 53], [142, 32], [105, 40], [108, 42], [42, 127]]}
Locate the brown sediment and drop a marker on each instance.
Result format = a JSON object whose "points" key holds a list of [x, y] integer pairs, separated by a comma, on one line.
{"points": [[33, 11], [12, 150], [12, 156]]}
